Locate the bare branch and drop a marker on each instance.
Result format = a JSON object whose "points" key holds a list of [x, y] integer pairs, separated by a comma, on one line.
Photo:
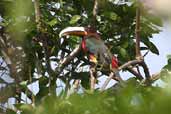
{"points": [[43, 38], [3, 68], [95, 10], [137, 33], [37, 13], [68, 59], [112, 75], [71, 56], [133, 62], [138, 69], [138, 39], [155, 77], [146, 70], [138, 75], [107, 81], [92, 77]]}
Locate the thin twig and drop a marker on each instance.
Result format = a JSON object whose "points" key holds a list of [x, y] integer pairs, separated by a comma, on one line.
{"points": [[30, 81], [146, 53], [95, 11]]}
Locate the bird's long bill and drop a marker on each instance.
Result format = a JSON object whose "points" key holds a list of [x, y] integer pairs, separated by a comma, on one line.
{"points": [[78, 31]]}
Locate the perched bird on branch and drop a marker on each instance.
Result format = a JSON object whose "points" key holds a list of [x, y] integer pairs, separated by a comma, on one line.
{"points": [[94, 47]]}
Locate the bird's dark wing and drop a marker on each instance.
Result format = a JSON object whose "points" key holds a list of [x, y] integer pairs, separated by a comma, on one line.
{"points": [[99, 49]]}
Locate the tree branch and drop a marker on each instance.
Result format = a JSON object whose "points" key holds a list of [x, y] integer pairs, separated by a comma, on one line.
{"points": [[68, 59], [138, 75], [138, 39], [146, 70], [92, 78], [137, 34], [44, 40], [107, 81], [95, 10], [155, 77], [3, 68], [133, 62], [37, 14]]}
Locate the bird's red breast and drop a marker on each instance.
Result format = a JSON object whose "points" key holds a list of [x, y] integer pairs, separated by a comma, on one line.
{"points": [[114, 63]]}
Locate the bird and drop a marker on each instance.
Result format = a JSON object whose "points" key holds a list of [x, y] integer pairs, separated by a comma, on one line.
{"points": [[97, 52]]}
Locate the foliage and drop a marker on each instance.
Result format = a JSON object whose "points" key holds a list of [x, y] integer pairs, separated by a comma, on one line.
{"points": [[166, 71], [130, 99]]}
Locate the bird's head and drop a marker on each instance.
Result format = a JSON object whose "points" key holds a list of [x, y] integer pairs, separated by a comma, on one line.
{"points": [[84, 33]]}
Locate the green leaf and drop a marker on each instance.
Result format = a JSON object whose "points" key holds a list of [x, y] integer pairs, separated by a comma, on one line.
{"points": [[111, 15], [1, 81], [150, 45], [75, 19], [10, 111], [53, 22], [23, 84], [169, 61], [153, 48], [125, 44], [165, 75], [155, 20], [2, 24], [123, 52], [85, 79], [168, 56], [53, 49]]}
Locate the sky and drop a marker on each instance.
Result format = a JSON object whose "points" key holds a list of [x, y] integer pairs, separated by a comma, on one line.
{"points": [[163, 43]]}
